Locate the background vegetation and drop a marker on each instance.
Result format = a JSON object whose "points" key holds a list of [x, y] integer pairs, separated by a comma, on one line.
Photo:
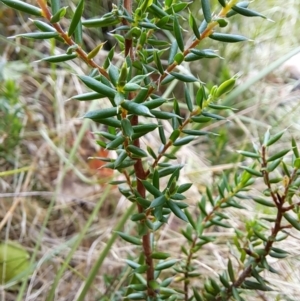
{"points": [[45, 146]]}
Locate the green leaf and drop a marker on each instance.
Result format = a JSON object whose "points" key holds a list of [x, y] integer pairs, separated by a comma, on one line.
{"points": [[95, 51], [235, 294], [126, 127], [247, 12], [188, 99], [230, 270], [219, 223], [138, 287], [228, 38], [162, 136], [175, 134], [278, 155], [278, 255], [108, 58], [172, 52], [97, 86], [136, 108], [178, 58], [137, 296], [158, 62], [164, 115], [206, 10], [273, 165], [55, 5], [24, 7], [280, 251], [205, 53], [256, 286], [184, 77], [203, 26], [252, 171], [121, 157], [131, 239], [138, 217], [101, 22], [169, 170], [132, 264], [102, 113], [141, 269], [297, 163], [177, 7], [72, 49], [153, 190], [143, 202], [158, 202], [157, 11], [155, 179], [201, 119], [183, 141], [76, 18], [160, 255], [222, 22], [113, 122], [58, 15], [78, 34], [222, 2], [141, 96], [165, 264], [294, 222], [115, 143], [136, 151], [197, 295], [194, 26], [88, 96], [14, 261], [42, 26], [107, 136], [167, 79], [113, 73], [219, 107], [163, 24], [37, 35], [177, 211], [59, 58], [154, 103], [151, 152], [196, 132], [263, 202], [226, 87], [131, 87], [275, 138], [144, 128], [295, 148], [178, 33], [243, 4], [184, 187], [249, 154], [260, 235]]}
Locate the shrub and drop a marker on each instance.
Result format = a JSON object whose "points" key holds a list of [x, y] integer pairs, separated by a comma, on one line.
{"points": [[151, 177]]}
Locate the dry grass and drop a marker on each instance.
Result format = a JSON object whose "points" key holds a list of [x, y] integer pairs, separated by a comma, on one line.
{"points": [[58, 183]]}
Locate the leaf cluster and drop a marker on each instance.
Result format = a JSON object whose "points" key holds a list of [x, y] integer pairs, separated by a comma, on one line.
{"points": [[151, 176]]}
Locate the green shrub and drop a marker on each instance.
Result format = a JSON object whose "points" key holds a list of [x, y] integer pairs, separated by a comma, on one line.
{"points": [[151, 177]]}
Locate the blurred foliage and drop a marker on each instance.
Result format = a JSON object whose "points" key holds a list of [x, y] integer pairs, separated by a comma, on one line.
{"points": [[11, 114]]}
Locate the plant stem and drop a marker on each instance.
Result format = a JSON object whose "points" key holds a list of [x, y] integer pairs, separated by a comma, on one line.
{"points": [[141, 175], [128, 42]]}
